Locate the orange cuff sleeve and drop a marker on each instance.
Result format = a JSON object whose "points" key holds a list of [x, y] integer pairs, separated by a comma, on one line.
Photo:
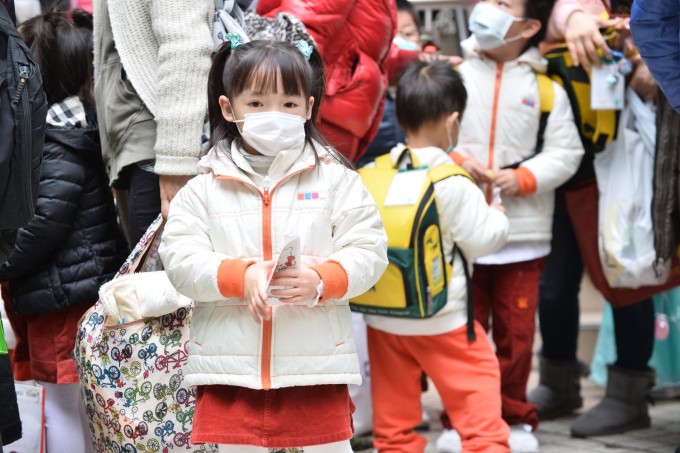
{"points": [[231, 277], [457, 157], [526, 181], [334, 280]]}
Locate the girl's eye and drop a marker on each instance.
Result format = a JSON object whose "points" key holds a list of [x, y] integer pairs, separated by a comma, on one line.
{"points": [[290, 105], [255, 104]]}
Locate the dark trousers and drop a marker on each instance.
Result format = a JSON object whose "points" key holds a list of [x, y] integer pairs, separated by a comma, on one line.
{"points": [[138, 200], [558, 307], [507, 295]]}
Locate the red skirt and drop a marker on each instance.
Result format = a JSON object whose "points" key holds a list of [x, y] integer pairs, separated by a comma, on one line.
{"points": [[278, 418], [44, 343]]}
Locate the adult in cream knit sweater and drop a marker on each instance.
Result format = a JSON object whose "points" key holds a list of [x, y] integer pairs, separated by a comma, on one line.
{"points": [[151, 68]]}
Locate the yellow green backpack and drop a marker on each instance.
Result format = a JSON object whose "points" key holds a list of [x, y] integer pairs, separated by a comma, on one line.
{"points": [[417, 276], [596, 127]]}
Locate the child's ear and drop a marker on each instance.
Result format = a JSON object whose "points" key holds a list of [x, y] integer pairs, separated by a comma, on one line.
{"points": [[310, 104], [227, 114], [453, 127], [531, 27]]}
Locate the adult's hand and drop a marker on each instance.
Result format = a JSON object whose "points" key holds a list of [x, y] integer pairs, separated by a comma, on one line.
{"points": [[643, 83], [170, 185], [453, 60], [583, 38]]}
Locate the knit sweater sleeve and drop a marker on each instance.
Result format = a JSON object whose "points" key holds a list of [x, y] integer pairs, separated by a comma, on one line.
{"points": [[185, 43]]}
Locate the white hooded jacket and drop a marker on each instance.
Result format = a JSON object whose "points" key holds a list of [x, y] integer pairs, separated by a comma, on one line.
{"points": [[466, 221], [500, 128], [234, 213]]}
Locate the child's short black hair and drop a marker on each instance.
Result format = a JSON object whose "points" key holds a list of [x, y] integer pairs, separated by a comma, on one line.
{"points": [[405, 5], [426, 91], [539, 10], [63, 53]]}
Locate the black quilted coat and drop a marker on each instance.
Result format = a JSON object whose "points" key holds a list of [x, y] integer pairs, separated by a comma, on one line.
{"points": [[73, 245]]}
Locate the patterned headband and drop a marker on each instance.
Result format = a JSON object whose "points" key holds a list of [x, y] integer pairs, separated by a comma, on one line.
{"points": [[302, 46]]}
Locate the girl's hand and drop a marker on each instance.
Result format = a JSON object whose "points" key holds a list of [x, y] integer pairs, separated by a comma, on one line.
{"points": [[507, 181], [476, 170], [302, 285], [499, 207], [583, 38], [255, 289]]}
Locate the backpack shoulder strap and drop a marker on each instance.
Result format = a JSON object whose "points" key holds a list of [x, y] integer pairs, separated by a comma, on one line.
{"points": [[446, 171], [546, 97], [384, 162]]}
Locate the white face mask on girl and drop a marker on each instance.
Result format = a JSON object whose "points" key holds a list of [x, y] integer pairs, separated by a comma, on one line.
{"points": [[272, 132], [490, 25]]}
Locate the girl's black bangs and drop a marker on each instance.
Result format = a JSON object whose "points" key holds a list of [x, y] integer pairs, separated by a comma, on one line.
{"points": [[258, 69]]}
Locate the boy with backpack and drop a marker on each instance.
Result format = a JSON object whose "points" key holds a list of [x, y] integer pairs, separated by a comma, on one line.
{"points": [[519, 141], [430, 100]]}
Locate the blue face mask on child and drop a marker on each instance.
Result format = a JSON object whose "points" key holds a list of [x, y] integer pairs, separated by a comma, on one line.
{"points": [[490, 25], [405, 44]]}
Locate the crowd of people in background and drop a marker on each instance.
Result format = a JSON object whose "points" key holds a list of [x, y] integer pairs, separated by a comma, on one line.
{"points": [[243, 145]]}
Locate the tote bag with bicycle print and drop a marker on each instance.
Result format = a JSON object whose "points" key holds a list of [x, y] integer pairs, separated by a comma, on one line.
{"points": [[130, 353]]}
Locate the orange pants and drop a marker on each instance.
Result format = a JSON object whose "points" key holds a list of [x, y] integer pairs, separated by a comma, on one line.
{"points": [[467, 378]]}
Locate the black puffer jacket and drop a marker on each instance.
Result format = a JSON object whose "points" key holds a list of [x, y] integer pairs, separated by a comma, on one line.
{"points": [[73, 245]]}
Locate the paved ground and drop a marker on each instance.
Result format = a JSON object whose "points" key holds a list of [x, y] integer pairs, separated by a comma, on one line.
{"points": [[662, 437]]}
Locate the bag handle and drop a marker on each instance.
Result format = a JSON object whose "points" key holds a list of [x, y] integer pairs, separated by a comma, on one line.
{"points": [[143, 258]]}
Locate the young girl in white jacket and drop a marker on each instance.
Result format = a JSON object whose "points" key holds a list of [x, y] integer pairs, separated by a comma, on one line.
{"points": [[272, 377]]}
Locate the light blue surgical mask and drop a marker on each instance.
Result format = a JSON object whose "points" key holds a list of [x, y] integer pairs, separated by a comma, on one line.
{"points": [[490, 25], [405, 44]]}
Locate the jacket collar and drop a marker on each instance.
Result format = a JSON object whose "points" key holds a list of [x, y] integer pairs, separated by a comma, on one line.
{"points": [[430, 156], [531, 56], [227, 161]]}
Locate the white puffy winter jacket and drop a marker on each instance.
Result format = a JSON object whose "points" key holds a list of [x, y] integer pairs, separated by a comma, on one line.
{"points": [[500, 128], [466, 221], [232, 214]]}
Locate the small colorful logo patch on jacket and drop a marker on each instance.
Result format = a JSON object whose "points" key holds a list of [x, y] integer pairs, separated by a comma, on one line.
{"points": [[311, 196], [528, 103]]}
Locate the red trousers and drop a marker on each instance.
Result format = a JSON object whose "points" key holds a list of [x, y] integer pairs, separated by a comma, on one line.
{"points": [[466, 376], [508, 293]]}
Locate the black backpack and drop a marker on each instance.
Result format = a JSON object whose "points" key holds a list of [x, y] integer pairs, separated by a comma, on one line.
{"points": [[23, 109]]}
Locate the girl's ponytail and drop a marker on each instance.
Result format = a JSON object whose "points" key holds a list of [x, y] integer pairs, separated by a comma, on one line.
{"points": [[216, 88]]}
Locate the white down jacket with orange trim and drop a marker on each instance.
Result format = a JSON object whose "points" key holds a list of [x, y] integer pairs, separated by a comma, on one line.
{"points": [[500, 128], [234, 213]]}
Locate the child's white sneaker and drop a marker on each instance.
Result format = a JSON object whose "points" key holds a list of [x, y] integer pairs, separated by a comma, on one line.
{"points": [[449, 442], [522, 440]]}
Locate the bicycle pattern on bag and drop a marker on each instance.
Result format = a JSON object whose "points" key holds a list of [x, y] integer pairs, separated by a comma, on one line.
{"points": [[131, 378]]}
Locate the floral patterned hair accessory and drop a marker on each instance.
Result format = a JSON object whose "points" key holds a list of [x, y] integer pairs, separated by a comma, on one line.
{"points": [[235, 40], [305, 48]]}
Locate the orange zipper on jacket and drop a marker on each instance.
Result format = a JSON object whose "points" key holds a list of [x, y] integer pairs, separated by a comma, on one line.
{"points": [[266, 195], [492, 137]]}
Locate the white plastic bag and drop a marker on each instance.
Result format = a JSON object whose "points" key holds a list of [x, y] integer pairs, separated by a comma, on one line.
{"points": [[361, 394], [625, 176], [31, 400]]}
